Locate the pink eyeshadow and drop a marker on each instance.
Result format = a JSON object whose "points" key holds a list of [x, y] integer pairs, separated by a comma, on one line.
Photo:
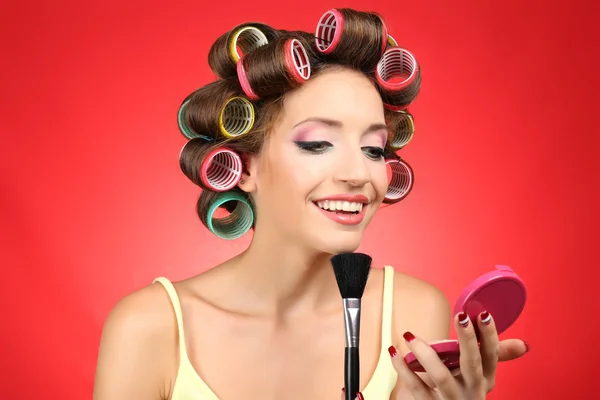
{"points": [[381, 135], [305, 135]]}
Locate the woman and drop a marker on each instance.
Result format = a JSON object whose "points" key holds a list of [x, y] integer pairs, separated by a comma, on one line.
{"points": [[306, 129]]}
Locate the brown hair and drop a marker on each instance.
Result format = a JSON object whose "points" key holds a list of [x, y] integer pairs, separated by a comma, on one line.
{"points": [[359, 44]]}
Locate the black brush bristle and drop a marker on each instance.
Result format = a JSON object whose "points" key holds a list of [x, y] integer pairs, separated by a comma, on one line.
{"points": [[351, 272]]}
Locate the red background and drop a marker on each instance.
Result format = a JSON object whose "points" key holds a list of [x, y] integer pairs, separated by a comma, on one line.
{"points": [[94, 205]]}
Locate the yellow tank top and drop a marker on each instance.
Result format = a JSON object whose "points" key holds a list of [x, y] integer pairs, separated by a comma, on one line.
{"points": [[190, 386]]}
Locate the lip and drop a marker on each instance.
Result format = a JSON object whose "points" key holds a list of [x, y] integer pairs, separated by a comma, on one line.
{"points": [[344, 219], [352, 198]]}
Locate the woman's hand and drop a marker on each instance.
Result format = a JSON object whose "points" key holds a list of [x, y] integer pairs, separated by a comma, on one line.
{"points": [[359, 396], [478, 363]]}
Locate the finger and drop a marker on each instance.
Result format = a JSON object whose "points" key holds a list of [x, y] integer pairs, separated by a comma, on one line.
{"points": [[471, 368], [489, 347], [359, 395], [435, 368], [410, 380], [511, 349]]}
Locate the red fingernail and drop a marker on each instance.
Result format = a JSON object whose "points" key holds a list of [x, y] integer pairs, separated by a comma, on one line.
{"points": [[359, 396], [392, 351], [463, 319], [343, 390], [486, 318], [409, 337], [526, 347]]}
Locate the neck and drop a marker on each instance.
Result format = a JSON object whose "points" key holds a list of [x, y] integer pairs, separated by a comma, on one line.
{"points": [[281, 277]]}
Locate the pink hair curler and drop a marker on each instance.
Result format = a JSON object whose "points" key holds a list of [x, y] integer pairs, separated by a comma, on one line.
{"points": [[296, 60], [221, 169], [501, 293], [246, 88], [394, 108], [401, 181], [396, 71], [329, 31], [296, 64]]}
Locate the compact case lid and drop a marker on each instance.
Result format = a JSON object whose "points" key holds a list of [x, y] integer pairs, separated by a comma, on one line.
{"points": [[501, 293]]}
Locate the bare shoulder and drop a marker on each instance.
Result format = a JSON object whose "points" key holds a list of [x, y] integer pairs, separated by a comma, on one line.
{"points": [[421, 308], [147, 313], [138, 347]]}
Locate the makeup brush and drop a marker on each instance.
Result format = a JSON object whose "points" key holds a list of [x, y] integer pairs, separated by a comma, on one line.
{"points": [[351, 273]]}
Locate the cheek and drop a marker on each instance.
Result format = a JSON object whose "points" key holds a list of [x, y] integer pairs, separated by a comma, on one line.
{"points": [[287, 170], [380, 180], [301, 177]]}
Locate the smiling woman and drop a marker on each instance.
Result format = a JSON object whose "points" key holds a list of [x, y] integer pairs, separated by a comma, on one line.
{"points": [[295, 139], [263, 118]]}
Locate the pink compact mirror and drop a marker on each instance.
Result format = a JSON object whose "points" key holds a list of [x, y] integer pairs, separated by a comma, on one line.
{"points": [[501, 293]]}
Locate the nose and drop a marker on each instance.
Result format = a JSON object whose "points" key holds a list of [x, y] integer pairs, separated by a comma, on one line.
{"points": [[352, 169]]}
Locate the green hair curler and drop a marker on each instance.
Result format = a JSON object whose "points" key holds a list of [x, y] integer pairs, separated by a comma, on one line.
{"points": [[236, 224], [185, 130]]}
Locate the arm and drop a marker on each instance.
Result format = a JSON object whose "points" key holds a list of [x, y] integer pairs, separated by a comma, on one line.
{"points": [[137, 348]]}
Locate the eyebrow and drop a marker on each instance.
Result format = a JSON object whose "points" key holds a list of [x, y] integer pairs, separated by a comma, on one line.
{"points": [[338, 124]]}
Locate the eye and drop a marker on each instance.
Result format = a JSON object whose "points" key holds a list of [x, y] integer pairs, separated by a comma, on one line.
{"points": [[314, 147], [373, 152]]}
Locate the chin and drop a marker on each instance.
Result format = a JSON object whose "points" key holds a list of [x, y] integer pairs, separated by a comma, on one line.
{"points": [[340, 242]]}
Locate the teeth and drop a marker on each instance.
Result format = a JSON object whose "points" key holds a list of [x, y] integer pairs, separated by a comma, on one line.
{"points": [[340, 206]]}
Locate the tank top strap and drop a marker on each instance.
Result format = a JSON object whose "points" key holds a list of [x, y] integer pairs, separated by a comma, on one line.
{"points": [[388, 302], [178, 313]]}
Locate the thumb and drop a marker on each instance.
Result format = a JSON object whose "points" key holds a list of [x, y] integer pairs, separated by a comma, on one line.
{"points": [[511, 349]]}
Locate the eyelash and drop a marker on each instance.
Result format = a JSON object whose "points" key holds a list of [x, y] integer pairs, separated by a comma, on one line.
{"points": [[373, 152]]}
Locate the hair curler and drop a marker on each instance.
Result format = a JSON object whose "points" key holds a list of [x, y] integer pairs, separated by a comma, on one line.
{"points": [[184, 128], [329, 31], [221, 169], [294, 70], [332, 29], [239, 41], [398, 77], [401, 181], [296, 60], [404, 130], [391, 41], [246, 40], [237, 223], [236, 118]]}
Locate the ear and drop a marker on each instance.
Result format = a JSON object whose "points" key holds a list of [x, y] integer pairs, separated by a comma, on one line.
{"points": [[249, 173]]}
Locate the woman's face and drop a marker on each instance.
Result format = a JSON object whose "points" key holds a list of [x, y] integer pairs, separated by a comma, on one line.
{"points": [[321, 175]]}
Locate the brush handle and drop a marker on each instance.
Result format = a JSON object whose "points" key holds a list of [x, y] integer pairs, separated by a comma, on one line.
{"points": [[351, 373]]}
